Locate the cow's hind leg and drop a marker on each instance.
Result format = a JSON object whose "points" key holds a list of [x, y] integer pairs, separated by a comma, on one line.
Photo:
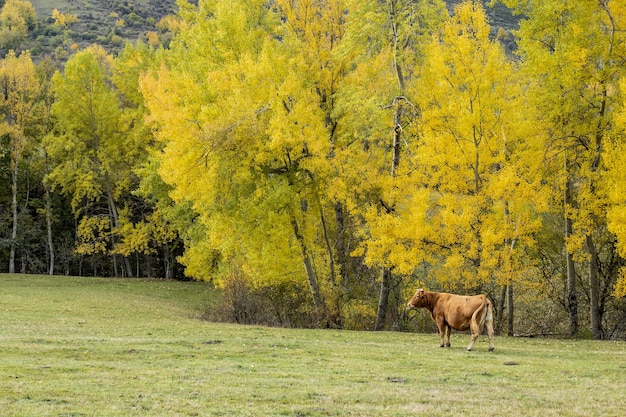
{"points": [[475, 329], [442, 332], [489, 325], [472, 340], [490, 334]]}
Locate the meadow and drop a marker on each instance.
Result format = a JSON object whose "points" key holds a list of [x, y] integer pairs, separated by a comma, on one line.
{"points": [[128, 347]]}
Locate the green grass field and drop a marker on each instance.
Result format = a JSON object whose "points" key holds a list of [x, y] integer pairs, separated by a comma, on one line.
{"points": [[123, 347]]}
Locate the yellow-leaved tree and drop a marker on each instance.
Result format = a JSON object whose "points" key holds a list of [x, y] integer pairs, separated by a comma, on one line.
{"points": [[16, 18], [385, 43], [615, 188], [18, 97], [144, 224], [247, 132], [475, 169], [93, 152], [574, 51]]}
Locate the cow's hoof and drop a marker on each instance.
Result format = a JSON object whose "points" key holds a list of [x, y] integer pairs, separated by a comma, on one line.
{"points": [[468, 349], [491, 349], [442, 346]]}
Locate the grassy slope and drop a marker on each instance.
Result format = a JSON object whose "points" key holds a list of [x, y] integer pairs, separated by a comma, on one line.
{"points": [[118, 347], [44, 7], [96, 23]]}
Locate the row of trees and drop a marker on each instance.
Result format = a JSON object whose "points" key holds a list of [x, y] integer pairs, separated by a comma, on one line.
{"points": [[344, 151]]}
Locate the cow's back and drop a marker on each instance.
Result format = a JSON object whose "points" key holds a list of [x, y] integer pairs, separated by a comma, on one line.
{"points": [[458, 309]]}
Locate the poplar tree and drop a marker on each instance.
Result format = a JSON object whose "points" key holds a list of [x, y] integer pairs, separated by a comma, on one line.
{"points": [[20, 89], [249, 116], [143, 230], [479, 159], [91, 158], [615, 188], [385, 42], [16, 18], [574, 51]]}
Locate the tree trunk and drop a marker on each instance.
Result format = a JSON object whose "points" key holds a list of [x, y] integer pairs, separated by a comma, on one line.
{"points": [[509, 309], [594, 282], [572, 292], [15, 158], [167, 262], [14, 227], [318, 299], [335, 313], [340, 244], [385, 284], [500, 309], [48, 201], [594, 292], [397, 137], [393, 17], [114, 224], [383, 299]]}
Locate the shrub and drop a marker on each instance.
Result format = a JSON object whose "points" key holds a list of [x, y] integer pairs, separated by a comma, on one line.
{"points": [[359, 316], [285, 304]]}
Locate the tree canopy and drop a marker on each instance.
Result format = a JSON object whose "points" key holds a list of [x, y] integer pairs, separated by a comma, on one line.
{"points": [[332, 155]]}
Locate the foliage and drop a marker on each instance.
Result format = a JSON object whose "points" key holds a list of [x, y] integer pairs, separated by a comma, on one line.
{"points": [[18, 99], [63, 19], [576, 87], [99, 142], [480, 170], [16, 18], [317, 159]]}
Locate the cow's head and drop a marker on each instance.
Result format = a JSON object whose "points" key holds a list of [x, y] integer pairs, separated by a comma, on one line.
{"points": [[418, 300]]}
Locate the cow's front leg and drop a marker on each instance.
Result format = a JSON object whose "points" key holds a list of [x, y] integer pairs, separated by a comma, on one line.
{"points": [[448, 330]]}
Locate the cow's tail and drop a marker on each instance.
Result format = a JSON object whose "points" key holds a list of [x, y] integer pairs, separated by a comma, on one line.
{"points": [[485, 316], [489, 314]]}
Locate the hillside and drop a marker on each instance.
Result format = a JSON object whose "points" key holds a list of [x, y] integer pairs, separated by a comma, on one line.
{"points": [[105, 22], [112, 22]]}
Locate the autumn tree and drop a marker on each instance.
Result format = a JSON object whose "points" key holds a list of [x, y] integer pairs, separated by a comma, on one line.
{"points": [[41, 127], [256, 136], [20, 89], [574, 52], [63, 19], [616, 213], [478, 157], [459, 200], [614, 151], [91, 154], [16, 18], [384, 41], [145, 228]]}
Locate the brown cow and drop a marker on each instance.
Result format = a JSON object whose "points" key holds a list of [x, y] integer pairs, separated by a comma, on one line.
{"points": [[458, 312]]}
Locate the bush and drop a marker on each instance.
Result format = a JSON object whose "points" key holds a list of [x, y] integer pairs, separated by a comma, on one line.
{"points": [[284, 304], [539, 317], [117, 40], [359, 316]]}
